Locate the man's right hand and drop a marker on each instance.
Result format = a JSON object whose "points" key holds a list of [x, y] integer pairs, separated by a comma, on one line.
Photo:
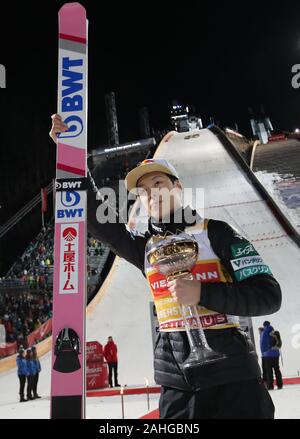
{"points": [[58, 126]]}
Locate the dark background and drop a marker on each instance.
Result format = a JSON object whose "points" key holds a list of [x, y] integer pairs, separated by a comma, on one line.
{"points": [[218, 58]]}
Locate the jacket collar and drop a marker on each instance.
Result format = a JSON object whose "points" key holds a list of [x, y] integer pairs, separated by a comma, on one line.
{"points": [[178, 221]]}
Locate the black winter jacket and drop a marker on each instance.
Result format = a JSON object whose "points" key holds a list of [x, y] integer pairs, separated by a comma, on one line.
{"points": [[257, 295]]}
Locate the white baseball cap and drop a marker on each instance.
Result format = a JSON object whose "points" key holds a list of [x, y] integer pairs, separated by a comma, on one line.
{"points": [[147, 166]]}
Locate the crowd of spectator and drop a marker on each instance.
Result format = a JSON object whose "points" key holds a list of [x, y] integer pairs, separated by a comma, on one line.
{"points": [[34, 268], [94, 247], [24, 313]]}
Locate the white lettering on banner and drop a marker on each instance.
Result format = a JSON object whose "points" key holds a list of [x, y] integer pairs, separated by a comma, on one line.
{"points": [[159, 284], [251, 271], [94, 370], [206, 321], [239, 263], [207, 276], [71, 185], [245, 250], [174, 311], [68, 282]]}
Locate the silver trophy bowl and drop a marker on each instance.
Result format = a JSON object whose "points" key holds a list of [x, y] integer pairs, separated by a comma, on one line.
{"points": [[172, 255]]}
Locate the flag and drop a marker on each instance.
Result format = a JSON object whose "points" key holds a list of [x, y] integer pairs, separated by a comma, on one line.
{"points": [[44, 199]]}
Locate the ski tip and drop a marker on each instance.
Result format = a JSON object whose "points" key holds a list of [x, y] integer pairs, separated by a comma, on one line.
{"points": [[72, 5], [72, 9], [73, 21]]}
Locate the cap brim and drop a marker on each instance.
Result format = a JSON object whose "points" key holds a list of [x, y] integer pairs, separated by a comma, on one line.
{"points": [[135, 174]]}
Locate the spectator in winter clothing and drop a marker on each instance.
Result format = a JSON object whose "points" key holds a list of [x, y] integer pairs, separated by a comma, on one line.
{"points": [[263, 365], [30, 373], [37, 369], [20, 340], [22, 372], [111, 356], [271, 355]]}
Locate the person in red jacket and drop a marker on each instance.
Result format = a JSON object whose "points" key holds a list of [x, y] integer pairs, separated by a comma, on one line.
{"points": [[111, 356]]}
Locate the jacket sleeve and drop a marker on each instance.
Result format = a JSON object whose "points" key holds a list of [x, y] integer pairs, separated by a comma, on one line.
{"points": [[253, 290], [105, 352], [112, 233], [18, 365], [265, 342]]}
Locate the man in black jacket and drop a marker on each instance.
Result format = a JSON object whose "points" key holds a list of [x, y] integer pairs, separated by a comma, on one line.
{"points": [[232, 387]]}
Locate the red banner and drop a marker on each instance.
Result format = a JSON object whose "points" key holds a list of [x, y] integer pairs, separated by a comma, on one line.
{"points": [[94, 351], [40, 333], [96, 375], [44, 199], [36, 336], [7, 349], [96, 368], [276, 138]]}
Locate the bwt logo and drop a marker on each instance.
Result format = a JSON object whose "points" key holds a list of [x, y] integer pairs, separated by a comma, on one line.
{"points": [[72, 96], [70, 199], [2, 76], [68, 185], [70, 213]]}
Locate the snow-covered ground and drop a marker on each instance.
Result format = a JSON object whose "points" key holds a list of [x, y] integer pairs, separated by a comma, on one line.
{"points": [[286, 401], [135, 406]]}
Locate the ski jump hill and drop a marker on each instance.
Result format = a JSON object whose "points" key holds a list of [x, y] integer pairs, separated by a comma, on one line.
{"points": [[204, 159]]}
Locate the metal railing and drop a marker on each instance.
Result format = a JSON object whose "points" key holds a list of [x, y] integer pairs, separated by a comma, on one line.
{"points": [[23, 212]]}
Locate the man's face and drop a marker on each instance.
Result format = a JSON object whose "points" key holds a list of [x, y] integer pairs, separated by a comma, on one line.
{"points": [[159, 195]]}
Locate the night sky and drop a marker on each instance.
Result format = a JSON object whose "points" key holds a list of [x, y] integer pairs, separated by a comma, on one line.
{"points": [[219, 59]]}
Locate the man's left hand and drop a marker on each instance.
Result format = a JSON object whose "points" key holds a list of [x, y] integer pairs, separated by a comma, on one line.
{"points": [[186, 291]]}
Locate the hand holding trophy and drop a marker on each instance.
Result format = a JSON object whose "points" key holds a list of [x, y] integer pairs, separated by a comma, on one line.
{"points": [[174, 256]]}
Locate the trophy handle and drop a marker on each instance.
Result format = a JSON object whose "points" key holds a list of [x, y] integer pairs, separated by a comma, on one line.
{"points": [[192, 311], [201, 353]]}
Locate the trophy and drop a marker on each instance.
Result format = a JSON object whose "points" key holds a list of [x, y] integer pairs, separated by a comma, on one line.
{"points": [[174, 256]]}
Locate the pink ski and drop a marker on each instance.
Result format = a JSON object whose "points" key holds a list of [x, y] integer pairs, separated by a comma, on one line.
{"points": [[69, 291]]}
